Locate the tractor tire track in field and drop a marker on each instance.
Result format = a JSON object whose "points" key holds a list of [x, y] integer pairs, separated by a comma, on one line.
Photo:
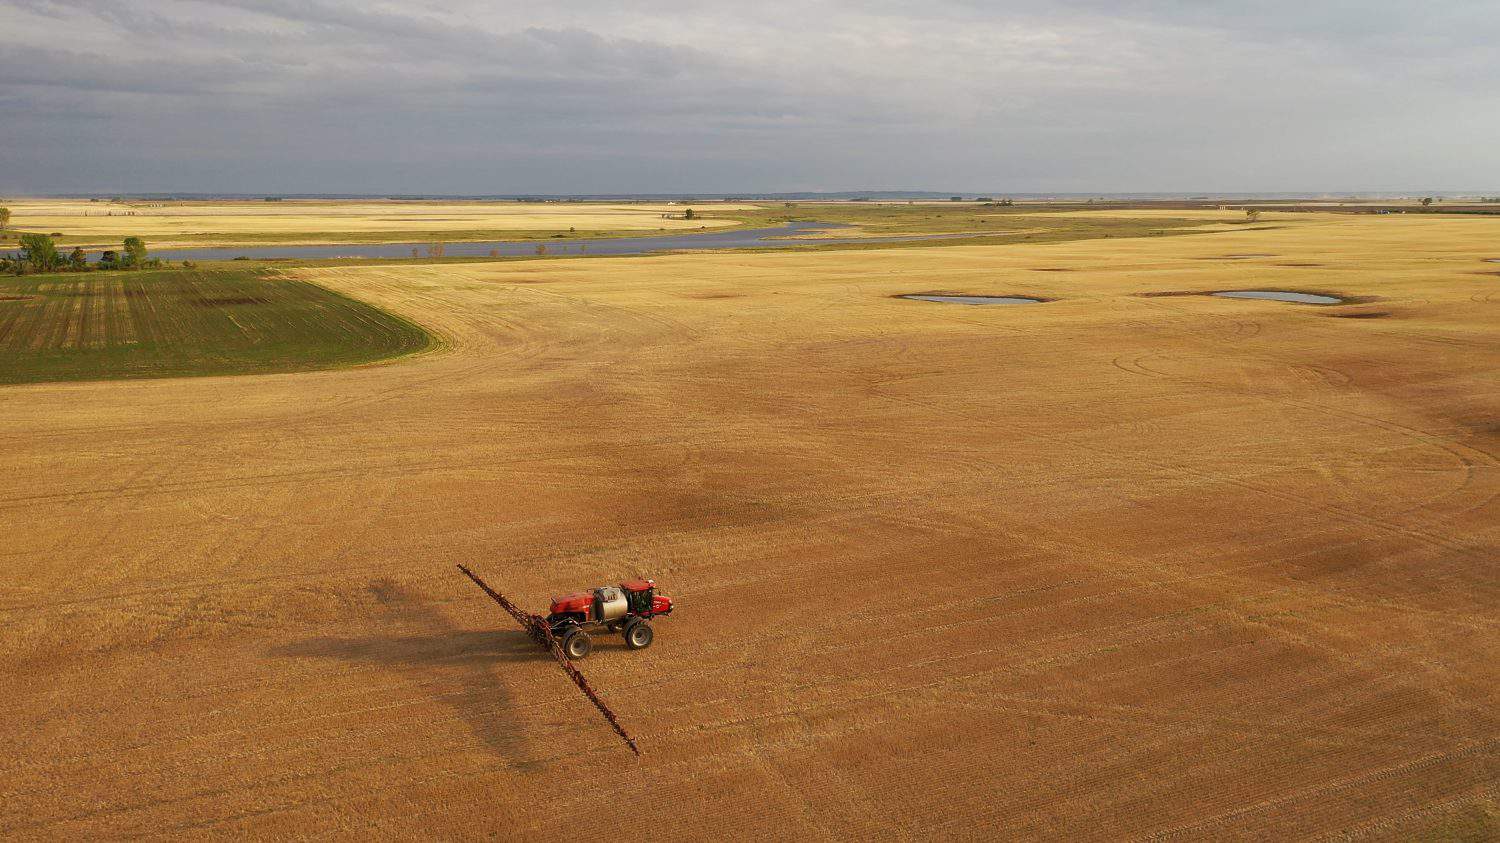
{"points": [[1339, 513], [1468, 457], [1364, 779]]}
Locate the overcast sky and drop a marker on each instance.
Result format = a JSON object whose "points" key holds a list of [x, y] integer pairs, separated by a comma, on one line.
{"points": [[304, 96]]}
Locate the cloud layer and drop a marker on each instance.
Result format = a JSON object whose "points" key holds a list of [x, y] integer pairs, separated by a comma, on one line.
{"points": [[594, 97]]}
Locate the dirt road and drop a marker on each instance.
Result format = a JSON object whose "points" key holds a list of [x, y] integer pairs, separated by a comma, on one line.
{"points": [[1111, 566]]}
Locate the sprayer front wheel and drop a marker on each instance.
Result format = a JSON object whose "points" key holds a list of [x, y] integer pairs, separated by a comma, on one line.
{"points": [[576, 643], [638, 634]]}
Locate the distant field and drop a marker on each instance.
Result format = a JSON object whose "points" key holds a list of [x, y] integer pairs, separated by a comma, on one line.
{"points": [[164, 225], [158, 324], [204, 223], [1022, 223]]}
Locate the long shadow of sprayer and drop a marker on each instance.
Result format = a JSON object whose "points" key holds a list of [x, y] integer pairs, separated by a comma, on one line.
{"points": [[466, 655]]}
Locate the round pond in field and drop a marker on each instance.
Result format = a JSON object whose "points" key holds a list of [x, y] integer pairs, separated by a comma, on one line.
{"points": [[972, 299], [1279, 295]]}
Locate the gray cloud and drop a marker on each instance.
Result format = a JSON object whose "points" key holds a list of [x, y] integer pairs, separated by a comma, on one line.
{"points": [[482, 97]]}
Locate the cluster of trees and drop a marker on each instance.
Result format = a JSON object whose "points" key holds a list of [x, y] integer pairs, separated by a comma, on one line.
{"points": [[39, 254]]}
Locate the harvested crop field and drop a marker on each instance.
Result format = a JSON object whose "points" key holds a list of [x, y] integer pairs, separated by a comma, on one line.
{"points": [[239, 222], [1116, 566]]}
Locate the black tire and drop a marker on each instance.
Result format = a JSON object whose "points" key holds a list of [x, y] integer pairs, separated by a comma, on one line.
{"points": [[638, 634], [577, 644]]}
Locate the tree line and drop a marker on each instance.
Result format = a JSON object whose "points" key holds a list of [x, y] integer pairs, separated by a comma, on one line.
{"points": [[39, 254]]}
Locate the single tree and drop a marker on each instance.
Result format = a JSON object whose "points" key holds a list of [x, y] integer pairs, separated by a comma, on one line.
{"points": [[78, 260], [39, 251], [135, 252], [688, 214], [1426, 200], [1252, 214], [109, 259], [4, 217]]}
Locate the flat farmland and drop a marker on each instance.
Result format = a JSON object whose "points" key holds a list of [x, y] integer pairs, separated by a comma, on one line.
{"points": [[307, 221], [1132, 563]]}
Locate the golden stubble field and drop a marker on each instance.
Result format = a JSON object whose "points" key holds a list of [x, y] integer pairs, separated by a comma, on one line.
{"points": [[237, 222], [1112, 566]]}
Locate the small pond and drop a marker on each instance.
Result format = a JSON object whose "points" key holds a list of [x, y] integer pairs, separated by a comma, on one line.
{"points": [[1280, 295], [972, 299]]}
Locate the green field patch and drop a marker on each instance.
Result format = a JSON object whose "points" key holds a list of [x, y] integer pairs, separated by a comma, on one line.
{"points": [[173, 323]]}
